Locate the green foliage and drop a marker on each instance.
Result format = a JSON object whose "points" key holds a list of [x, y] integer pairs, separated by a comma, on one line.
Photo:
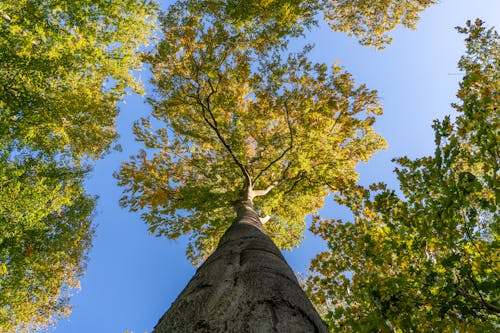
{"points": [[45, 233], [372, 20], [231, 116], [428, 260], [64, 67], [65, 64], [268, 19], [369, 20]]}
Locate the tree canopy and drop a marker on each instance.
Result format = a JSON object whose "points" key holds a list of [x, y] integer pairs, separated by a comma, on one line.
{"points": [[64, 67], [370, 21], [232, 117], [425, 258], [285, 126], [45, 228]]}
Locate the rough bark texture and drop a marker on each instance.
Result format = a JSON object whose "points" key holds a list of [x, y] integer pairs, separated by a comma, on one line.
{"points": [[244, 286]]}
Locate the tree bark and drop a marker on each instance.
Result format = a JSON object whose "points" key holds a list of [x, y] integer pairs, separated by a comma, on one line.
{"points": [[244, 286]]}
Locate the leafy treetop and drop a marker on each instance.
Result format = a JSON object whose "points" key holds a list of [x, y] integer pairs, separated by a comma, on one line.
{"points": [[232, 122], [370, 21], [64, 66]]}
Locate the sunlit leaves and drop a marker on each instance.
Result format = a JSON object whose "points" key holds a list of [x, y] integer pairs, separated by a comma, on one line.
{"points": [[428, 260], [227, 109], [371, 21], [45, 233], [267, 21], [64, 65]]}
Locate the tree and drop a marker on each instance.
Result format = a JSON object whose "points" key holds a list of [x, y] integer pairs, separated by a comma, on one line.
{"points": [[244, 286], [64, 67], [237, 123], [371, 21], [238, 126], [426, 259]]}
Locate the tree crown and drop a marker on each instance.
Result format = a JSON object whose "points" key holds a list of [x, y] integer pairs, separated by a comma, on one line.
{"points": [[233, 119]]}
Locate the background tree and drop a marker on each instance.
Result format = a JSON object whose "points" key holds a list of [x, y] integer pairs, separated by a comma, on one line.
{"points": [[45, 228], [233, 123], [370, 21], [425, 260], [64, 67]]}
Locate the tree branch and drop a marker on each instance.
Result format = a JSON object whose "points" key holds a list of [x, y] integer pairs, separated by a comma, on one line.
{"points": [[265, 219], [298, 178], [259, 193], [468, 234], [290, 146], [486, 304], [212, 123]]}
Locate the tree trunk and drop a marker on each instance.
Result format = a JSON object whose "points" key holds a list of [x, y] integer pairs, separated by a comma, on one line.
{"points": [[244, 286]]}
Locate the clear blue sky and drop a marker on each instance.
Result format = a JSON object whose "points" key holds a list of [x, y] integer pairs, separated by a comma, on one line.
{"points": [[132, 277]]}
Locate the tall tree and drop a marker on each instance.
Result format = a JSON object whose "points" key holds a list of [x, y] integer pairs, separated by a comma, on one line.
{"points": [[63, 68], [235, 120], [244, 286], [425, 260], [237, 126]]}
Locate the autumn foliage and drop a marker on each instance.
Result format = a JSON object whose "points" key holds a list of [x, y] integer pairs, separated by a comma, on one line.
{"points": [[232, 112], [64, 67], [426, 257]]}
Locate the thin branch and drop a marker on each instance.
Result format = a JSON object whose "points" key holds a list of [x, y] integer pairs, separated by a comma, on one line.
{"points": [[299, 177], [290, 146], [341, 113], [283, 173], [5, 182], [212, 91], [265, 219], [180, 156], [259, 193], [212, 122], [468, 234], [486, 304]]}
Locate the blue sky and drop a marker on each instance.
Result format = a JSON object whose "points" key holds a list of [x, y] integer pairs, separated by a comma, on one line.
{"points": [[132, 277]]}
